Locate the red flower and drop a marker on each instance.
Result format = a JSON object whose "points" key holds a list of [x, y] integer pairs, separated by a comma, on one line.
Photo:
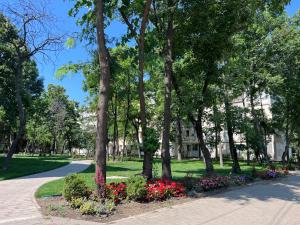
{"points": [[116, 191]]}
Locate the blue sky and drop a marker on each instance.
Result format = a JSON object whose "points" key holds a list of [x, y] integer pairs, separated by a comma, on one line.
{"points": [[73, 85]]}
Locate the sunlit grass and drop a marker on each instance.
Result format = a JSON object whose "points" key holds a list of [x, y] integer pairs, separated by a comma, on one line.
{"points": [[180, 169], [22, 165]]}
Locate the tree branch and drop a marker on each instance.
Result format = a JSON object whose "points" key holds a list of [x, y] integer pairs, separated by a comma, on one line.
{"points": [[129, 25]]}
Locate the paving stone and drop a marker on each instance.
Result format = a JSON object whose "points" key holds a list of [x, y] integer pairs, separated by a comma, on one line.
{"points": [[17, 201], [271, 203]]}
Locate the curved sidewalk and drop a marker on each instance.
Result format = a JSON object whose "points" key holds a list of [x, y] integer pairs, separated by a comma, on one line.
{"points": [[264, 203], [17, 202]]}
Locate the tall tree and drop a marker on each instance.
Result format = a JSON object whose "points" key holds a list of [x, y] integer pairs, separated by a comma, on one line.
{"points": [[102, 109], [163, 19], [31, 21], [128, 10], [284, 51]]}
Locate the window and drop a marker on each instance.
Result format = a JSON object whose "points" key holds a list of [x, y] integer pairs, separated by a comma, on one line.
{"points": [[188, 148], [187, 133], [195, 147]]}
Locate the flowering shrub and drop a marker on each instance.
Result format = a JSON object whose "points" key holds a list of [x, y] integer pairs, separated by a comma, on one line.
{"points": [[241, 180], [272, 173], [212, 183], [116, 191], [155, 189], [158, 189], [268, 174]]}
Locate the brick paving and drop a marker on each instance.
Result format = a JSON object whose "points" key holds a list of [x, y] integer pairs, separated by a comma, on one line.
{"points": [[17, 202], [266, 203]]}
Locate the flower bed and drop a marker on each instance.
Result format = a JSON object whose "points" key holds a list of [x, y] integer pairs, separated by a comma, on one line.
{"points": [[272, 174], [212, 183], [138, 189], [240, 180], [155, 190], [158, 189], [116, 191]]}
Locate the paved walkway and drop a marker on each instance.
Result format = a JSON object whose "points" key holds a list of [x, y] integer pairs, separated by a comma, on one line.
{"points": [[269, 203], [17, 203]]}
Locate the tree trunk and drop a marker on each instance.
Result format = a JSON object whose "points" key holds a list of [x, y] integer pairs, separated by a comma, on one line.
{"points": [[53, 145], [102, 108], [136, 127], [165, 152], [298, 149], [124, 150], [221, 157], [198, 125], [216, 144], [147, 164], [147, 168], [235, 166], [22, 120], [257, 129], [287, 140], [179, 138], [216, 130], [245, 132], [115, 129], [209, 167]]}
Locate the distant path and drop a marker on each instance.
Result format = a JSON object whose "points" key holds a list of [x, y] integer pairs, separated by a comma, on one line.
{"points": [[17, 202]]}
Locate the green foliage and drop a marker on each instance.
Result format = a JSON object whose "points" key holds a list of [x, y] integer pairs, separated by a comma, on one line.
{"points": [[75, 187], [96, 208], [76, 203], [31, 85], [105, 208], [136, 189], [70, 43], [88, 208], [56, 208], [151, 140]]}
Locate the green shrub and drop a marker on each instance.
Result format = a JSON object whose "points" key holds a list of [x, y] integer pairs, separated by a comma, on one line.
{"points": [[136, 189], [76, 203], [56, 208], [88, 208], [75, 187], [105, 208], [110, 206]]}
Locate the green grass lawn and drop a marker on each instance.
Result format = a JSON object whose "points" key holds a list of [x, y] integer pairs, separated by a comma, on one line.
{"points": [[22, 165], [180, 169]]}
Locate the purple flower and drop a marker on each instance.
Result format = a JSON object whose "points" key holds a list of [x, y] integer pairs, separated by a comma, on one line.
{"points": [[271, 173]]}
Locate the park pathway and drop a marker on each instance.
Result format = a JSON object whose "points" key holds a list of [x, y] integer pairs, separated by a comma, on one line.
{"points": [[17, 202], [264, 203]]}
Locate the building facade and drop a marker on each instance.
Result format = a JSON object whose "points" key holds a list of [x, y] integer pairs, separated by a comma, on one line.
{"points": [[190, 143], [275, 142]]}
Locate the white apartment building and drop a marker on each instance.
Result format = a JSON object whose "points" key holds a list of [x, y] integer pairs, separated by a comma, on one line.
{"points": [[275, 146]]}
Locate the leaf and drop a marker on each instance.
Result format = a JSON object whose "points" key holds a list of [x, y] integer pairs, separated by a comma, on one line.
{"points": [[70, 43]]}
